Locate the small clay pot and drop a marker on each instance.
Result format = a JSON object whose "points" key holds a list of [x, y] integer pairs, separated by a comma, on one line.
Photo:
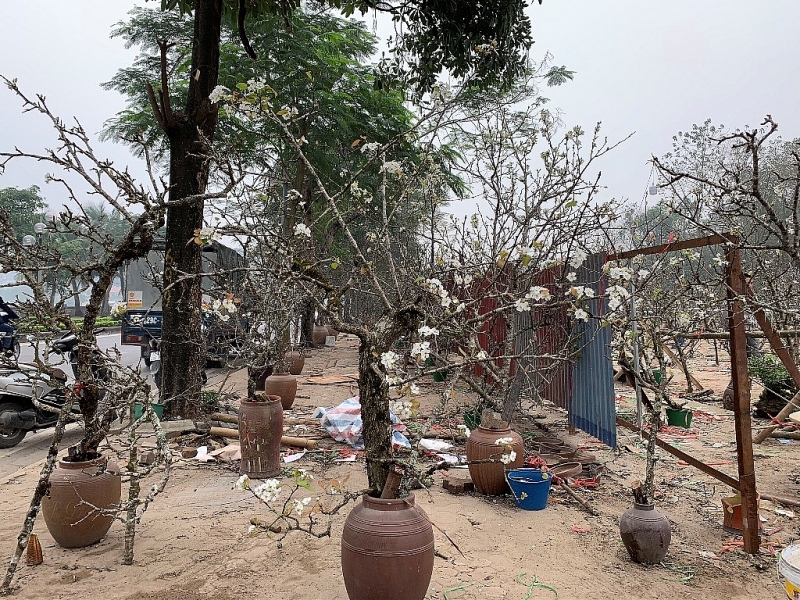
{"points": [[296, 362], [283, 385], [318, 335], [645, 533]]}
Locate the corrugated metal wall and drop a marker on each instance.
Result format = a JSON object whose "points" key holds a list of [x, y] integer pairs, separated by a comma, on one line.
{"points": [[592, 408]]}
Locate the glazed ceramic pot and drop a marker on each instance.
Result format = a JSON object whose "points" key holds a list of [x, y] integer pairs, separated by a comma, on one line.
{"points": [[490, 477], [80, 505], [387, 550], [283, 385], [260, 431], [645, 533]]}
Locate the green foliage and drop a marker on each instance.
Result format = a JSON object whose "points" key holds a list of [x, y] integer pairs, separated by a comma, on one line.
{"points": [[24, 208], [485, 42], [771, 373]]}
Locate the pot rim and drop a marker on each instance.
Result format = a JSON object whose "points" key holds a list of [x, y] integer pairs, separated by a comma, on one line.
{"points": [[271, 398], [408, 500]]}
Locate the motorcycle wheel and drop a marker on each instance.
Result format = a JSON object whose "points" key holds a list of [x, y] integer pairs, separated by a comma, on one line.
{"points": [[10, 436]]}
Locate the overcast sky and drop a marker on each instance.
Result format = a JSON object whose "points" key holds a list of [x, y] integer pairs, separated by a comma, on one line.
{"points": [[642, 66]]}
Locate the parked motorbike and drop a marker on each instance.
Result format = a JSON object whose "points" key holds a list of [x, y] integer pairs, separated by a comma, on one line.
{"points": [[19, 385], [15, 346]]}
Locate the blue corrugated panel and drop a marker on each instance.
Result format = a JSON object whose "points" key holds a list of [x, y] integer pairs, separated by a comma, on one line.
{"points": [[592, 408]]}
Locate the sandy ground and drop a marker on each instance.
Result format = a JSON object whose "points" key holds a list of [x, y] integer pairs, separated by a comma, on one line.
{"points": [[193, 542]]}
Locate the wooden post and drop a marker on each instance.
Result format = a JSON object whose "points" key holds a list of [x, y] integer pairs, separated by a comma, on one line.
{"points": [[741, 406]]}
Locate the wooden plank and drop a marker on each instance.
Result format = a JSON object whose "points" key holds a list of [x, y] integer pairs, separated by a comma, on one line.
{"points": [[672, 247], [678, 364], [740, 378], [718, 475]]}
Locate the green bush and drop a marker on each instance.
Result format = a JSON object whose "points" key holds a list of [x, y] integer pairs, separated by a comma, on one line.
{"points": [[772, 374]]}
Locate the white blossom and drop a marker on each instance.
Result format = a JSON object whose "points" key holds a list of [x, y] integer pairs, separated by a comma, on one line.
{"points": [[390, 360], [577, 258], [242, 483], [465, 430], [572, 276], [504, 441], [371, 148], [392, 167], [299, 505], [620, 273], [581, 315], [538, 292], [425, 331], [219, 93], [268, 491], [522, 305], [482, 355], [508, 458], [302, 229], [421, 350]]}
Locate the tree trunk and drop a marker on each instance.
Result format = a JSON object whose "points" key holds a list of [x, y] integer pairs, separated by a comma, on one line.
{"points": [[374, 395], [190, 136]]}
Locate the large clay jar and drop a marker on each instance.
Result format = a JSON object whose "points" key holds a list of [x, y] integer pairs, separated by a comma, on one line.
{"points": [[645, 533], [296, 362], [260, 431], [490, 478], [78, 492], [331, 331], [283, 385], [318, 335], [387, 550]]}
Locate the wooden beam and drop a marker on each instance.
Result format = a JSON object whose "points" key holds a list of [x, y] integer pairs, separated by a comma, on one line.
{"points": [[700, 242], [740, 378], [678, 364], [718, 475]]}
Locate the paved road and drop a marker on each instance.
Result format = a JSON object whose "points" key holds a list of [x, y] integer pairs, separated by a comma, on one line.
{"points": [[32, 450]]}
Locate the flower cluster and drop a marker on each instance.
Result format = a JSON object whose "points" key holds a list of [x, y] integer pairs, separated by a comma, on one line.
{"points": [[301, 229], [392, 167], [119, 309], [403, 409], [421, 350], [390, 360], [221, 309], [206, 235], [509, 455]]}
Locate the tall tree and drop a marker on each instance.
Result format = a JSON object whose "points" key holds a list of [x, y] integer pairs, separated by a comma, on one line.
{"points": [[486, 42], [25, 207]]}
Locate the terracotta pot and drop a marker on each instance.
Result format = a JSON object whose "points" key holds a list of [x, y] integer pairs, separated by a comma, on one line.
{"points": [[77, 490], [645, 533], [489, 478], [387, 550], [296, 362], [318, 335], [332, 331], [283, 385], [260, 431]]}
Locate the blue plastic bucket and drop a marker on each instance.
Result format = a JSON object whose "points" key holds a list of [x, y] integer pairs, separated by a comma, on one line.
{"points": [[530, 488]]}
